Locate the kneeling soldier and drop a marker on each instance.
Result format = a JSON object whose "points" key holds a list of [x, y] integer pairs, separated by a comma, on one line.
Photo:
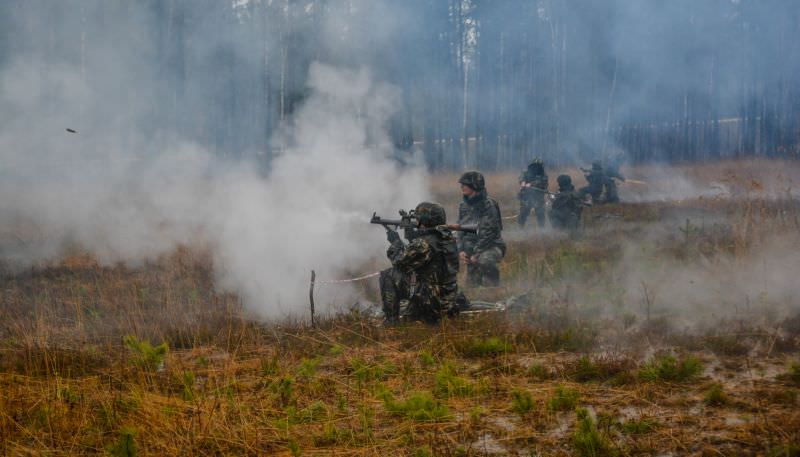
{"points": [[421, 285], [565, 213]]}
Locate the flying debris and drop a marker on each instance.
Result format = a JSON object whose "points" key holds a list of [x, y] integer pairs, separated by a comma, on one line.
{"points": [[72, 131]]}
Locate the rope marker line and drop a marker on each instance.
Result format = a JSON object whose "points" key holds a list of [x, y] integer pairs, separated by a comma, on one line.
{"points": [[340, 281]]}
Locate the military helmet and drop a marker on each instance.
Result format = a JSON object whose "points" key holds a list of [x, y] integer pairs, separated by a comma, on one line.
{"points": [[596, 165], [430, 214], [564, 181], [474, 180], [536, 161]]}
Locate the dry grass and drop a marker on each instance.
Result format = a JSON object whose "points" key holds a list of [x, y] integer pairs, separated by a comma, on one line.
{"points": [[569, 369]]}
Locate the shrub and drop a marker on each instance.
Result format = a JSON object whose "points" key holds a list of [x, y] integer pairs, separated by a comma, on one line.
{"points": [[145, 355], [188, 380], [564, 399], [587, 440], [419, 406], [716, 396], [521, 402], [451, 385], [670, 369], [639, 427], [426, 358], [485, 347], [538, 371], [794, 372], [125, 445]]}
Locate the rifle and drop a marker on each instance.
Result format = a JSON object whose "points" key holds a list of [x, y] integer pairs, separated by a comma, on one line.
{"points": [[524, 189], [409, 221]]}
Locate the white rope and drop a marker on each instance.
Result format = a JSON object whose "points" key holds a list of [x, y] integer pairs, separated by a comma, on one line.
{"points": [[340, 281]]}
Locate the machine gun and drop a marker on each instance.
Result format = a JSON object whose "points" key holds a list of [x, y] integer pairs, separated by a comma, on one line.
{"points": [[409, 222]]}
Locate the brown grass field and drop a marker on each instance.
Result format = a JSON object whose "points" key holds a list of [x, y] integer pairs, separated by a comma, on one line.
{"points": [[153, 360]]}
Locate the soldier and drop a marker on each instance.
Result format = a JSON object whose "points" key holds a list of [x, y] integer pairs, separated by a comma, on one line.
{"points": [[565, 213], [481, 251], [421, 285], [612, 173], [532, 190], [596, 179]]}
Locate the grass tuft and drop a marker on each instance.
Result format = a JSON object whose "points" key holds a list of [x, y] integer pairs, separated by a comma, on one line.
{"points": [[522, 402], [670, 369], [587, 440], [564, 399], [639, 426], [145, 356], [451, 385], [715, 396], [125, 446], [419, 407], [484, 347]]}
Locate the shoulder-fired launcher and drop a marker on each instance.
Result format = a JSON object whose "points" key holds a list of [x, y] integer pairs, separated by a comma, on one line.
{"points": [[408, 220]]}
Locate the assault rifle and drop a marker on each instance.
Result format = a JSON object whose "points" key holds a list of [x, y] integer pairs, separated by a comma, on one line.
{"points": [[409, 221], [523, 189]]}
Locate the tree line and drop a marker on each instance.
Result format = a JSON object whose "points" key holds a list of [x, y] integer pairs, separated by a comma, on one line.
{"points": [[484, 83]]}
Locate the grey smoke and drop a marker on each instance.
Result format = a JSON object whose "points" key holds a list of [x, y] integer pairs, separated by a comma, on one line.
{"points": [[267, 231]]}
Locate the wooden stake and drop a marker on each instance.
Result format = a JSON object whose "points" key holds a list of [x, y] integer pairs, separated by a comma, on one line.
{"points": [[311, 297]]}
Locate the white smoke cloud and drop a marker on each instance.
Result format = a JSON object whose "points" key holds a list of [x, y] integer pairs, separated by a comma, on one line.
{"points": [[128, 199]]}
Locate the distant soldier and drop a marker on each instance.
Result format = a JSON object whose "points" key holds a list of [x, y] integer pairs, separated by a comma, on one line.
{"points": [[481, 251], [421, 285], [532, 191], [612, 173], [596, 180], [565, 212]]}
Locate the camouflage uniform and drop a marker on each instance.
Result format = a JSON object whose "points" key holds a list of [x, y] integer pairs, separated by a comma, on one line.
{"points": [[602, 185], [487, 245], [565, 213], [611, 174], [596, 179], [533, 187], [421, 285]]}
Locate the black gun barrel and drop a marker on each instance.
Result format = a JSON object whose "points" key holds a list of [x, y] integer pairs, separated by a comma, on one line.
{"points": [[381, 221], [471, 228]]}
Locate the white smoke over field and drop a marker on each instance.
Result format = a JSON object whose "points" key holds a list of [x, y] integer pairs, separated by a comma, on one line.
{"points": [[128, 199]]}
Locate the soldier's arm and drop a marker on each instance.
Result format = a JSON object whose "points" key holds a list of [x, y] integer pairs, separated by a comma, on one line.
{"points": [[395, 250], [460, 235], [488, 228], [416, 255]]}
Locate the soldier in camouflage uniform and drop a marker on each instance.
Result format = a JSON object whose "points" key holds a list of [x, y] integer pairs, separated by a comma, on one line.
{"points": [[421, 285], [596, 180], [602, 185], [481, 251], [532, 190], [565, 213], [612, 173]]}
